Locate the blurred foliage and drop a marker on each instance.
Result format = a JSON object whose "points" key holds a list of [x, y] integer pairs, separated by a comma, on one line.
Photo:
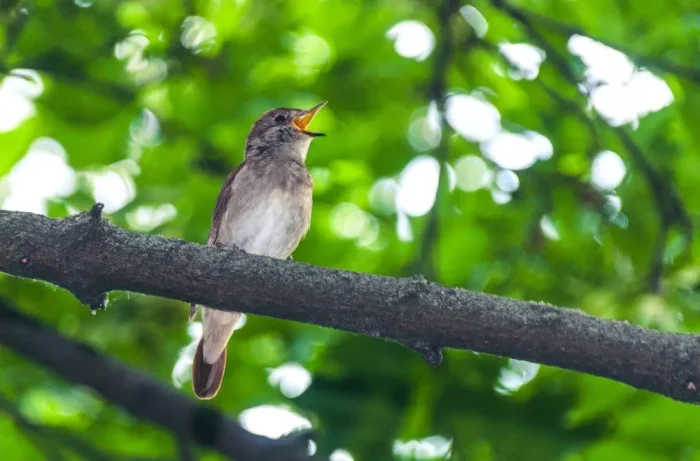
{"points": [[151, 101]]}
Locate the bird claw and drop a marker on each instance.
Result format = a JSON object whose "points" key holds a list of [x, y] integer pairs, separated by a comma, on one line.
{"points": [[193, 312]]}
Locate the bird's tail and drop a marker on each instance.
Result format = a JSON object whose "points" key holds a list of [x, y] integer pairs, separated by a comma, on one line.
{"points": [[206, 378]]}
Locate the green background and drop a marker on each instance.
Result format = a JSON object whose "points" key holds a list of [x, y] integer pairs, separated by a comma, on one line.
{"points": [[152, 100]]}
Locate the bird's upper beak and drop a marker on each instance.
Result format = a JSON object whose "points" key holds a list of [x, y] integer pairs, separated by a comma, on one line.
{"points": [[302, 120]]}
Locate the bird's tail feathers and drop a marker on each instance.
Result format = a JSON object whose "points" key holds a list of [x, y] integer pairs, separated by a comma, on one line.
{"points": [[206, 378]]}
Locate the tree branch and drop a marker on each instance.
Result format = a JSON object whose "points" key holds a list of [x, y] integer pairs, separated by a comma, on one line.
{"points": [[669, 205], [135, 391], [436, 92], [89, 257]]}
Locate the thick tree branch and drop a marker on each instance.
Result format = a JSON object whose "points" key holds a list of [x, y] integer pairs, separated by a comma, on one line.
{"points": [[136, 392], [89, 257]]}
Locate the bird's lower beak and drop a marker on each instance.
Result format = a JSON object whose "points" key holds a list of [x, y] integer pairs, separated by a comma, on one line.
{"points": [[302, 120]]}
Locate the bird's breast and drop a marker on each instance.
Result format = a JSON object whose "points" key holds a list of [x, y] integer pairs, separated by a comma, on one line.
{"points": [[267, 219]]}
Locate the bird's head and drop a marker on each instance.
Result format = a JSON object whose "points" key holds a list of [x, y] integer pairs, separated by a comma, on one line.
{"points": [[283, 130]]}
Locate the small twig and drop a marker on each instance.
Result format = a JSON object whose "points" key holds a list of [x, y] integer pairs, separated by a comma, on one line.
{"points": [[565, 104], [669, 208], [669, 205], [687, 72], [657, 262], [437, 91], [18, 14]]}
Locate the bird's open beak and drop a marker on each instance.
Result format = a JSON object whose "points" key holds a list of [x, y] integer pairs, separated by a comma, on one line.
{"points": [[302, 120]]}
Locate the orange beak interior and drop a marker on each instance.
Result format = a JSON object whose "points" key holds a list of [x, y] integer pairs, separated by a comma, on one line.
{"points": [[302, 120]]}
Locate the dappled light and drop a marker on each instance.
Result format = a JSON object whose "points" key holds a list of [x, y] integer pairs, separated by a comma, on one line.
{"points": [[517, 374], [424, 132], [17, 93], [516, 151], [42, 174], [132, 52], [272, 421], [608, 170], [429, 448], [417, 186], [292, 379], [197, 33], [182, 370], [472, 117], [472, 173], [341, 455], [311, 54], [475, 19], [619, 91], [526, 59], [535, 151], [351, 222], [145, 129], [507, 181], [412, 39], [548, 228], [114, 187], [60, 407], [146, 218]]}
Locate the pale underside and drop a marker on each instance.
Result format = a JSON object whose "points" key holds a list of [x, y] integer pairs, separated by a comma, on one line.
{"points": [[267, 214]]}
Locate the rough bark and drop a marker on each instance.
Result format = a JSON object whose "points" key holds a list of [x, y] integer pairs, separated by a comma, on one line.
{"points": [[90, 257]]}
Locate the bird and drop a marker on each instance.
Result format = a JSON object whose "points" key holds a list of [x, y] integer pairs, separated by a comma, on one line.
{"points": [[263, 208]]}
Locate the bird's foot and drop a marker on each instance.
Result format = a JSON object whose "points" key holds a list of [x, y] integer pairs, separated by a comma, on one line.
{"points": [[193, 312]]}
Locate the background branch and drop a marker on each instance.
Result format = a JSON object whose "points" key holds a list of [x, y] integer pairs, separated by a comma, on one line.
{"points": [[90, 257], [437, 91], [669, 205], [687, 72], [140, 394]]}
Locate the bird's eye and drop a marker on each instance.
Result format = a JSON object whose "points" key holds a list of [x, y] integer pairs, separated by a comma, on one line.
{"points": [[280, 118]]}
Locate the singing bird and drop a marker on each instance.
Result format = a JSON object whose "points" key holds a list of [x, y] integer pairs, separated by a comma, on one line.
{"points": [[264, 208]]}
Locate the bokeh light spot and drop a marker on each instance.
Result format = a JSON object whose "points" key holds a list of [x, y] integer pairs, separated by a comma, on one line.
{"points": [[514, 151], [418, 184], [608, 170], [472, 173], [412, 39], [524, 58], [198, 34], [272, 421], [17, 93], [516, 375], [472, 117], [291, 378], [433, 447], [507, 181], [40, 175], [475, 19]]}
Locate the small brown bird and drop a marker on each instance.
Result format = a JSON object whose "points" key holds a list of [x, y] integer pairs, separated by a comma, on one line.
{"points": [[264, 208]]}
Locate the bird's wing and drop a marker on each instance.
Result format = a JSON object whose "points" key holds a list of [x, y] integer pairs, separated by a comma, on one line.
{"points": [[219, 211], [221, 204], [207, 378]]}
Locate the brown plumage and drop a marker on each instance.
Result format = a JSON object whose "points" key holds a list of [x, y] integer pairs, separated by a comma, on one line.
{"points": [[264, 208]]}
